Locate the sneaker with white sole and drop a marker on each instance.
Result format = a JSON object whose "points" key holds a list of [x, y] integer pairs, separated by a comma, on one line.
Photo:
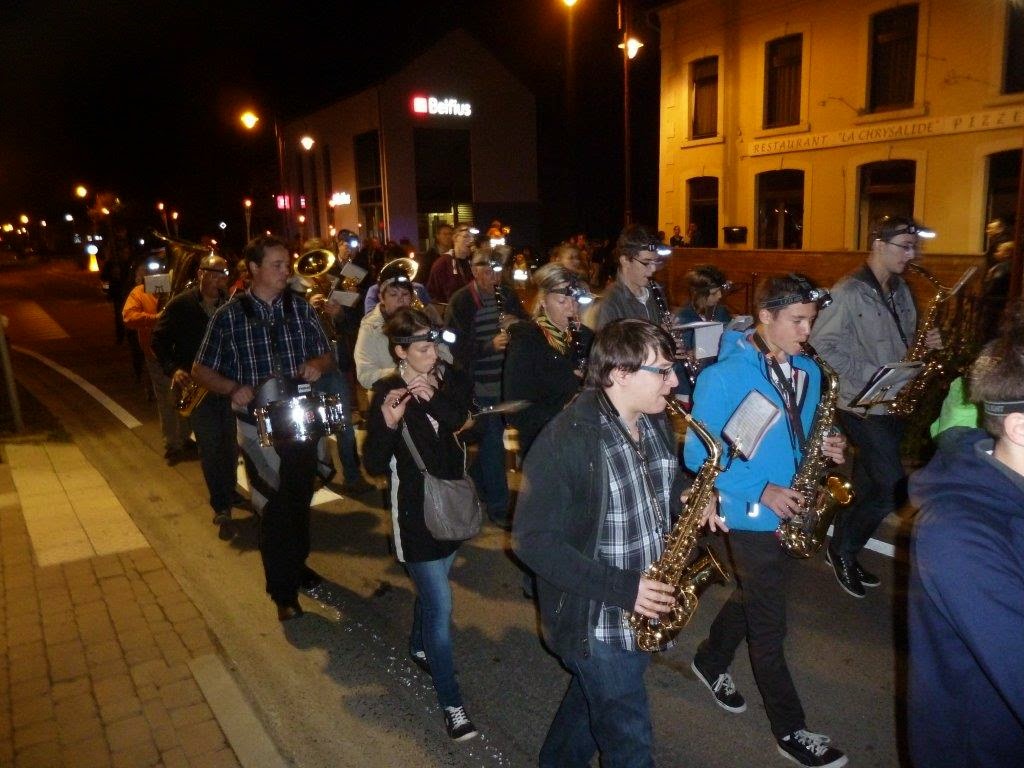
{"points": [[460, 727], [723, 689], [810, 749]]}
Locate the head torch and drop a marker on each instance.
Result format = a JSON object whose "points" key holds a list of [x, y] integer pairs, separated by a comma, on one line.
{"points": [[808, 294], [434, 335], [495, 266], [658, 248], [576, 292], [1001, 408]]}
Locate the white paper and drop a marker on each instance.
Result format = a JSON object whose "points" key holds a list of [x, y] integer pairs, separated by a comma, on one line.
{"points": [[157, 283], [707, 336], [353, 270], [344, 298], [886, 382], [749, 423]]}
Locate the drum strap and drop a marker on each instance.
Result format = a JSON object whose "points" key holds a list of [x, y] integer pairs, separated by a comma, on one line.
{"points": [[271, 328]]}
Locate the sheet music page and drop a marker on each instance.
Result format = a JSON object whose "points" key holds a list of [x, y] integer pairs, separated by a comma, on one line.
{"points": [[353, 270], [749, 422], [707, 336], [886, 382]]}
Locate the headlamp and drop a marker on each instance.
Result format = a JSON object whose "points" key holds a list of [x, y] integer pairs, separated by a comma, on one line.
{"points": [[657, 247], [1001, 408], [495, 241], [393, 280], [576, 292], [808, 294], [494, 265], [901, 226], [434, 335]]}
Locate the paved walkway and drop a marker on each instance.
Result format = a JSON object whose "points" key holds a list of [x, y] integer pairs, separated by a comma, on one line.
{"points": [[104, 660]]}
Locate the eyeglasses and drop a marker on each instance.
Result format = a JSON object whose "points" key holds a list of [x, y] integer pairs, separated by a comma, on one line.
{"points": [[647, 263], [906, 247], [664, 372]]}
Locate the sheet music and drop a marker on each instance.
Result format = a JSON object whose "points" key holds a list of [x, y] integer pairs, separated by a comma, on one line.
{"points": [[707, 336], [885, 383], [749, 423]]}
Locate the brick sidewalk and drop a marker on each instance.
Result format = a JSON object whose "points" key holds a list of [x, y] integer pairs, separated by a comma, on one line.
{"points": [[98, 659]]}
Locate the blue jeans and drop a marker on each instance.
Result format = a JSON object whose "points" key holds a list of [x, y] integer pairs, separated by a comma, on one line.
{"points": [[605, 709], [335, 382], [488, 468], [432, 625]]}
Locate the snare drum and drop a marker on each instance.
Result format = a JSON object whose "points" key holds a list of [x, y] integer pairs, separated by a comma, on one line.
{"points": [[332, 413], [294, 420]]}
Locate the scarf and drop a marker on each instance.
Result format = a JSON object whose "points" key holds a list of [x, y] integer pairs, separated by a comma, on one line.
{"points": [[558, 340]]}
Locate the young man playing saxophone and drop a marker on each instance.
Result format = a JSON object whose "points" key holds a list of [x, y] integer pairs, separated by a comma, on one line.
{"points": [[872, 321], [754, 496]]}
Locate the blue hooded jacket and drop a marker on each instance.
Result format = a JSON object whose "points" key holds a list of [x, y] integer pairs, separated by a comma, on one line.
{"points": [[965, 693], [721, 387]]}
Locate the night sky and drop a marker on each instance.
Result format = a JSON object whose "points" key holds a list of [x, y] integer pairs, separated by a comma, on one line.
{"points": [[142, 97]]}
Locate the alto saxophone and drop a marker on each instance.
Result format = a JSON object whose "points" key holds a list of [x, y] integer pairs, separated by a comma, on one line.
{"points": [[803, 534], [934, 360], [673, 567], [188, 397]]}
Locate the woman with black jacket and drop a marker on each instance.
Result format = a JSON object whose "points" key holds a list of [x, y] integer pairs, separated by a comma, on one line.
{"points": [[545, 360], [430, 402]]}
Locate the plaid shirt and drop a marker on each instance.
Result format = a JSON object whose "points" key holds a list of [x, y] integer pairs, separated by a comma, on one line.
{"points": [[239, 346], [633, 535]]}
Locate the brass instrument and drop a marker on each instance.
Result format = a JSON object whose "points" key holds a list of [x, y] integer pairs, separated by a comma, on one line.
{"points": [[315, 268], [410, 266], [673, 567], [803, 534], [668, 322], [934, 359], [188, 397], [183, 259]]}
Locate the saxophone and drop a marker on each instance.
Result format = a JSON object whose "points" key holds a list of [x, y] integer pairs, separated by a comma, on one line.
{"points": [[668, 322], [934, 359], [188, 397], [803, 534], [672, 568]]}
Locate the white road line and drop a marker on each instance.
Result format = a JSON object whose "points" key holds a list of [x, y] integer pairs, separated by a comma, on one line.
{"points": [[881, 547], [119, 413]]}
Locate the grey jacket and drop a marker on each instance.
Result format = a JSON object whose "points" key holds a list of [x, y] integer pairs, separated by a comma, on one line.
{"points": [[617, 302], [857, 333]]}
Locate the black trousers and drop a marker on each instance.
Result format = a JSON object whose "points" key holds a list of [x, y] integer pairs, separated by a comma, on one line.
{"points": [[284, 527], [756, 612], [878, 477], [216, 434]]}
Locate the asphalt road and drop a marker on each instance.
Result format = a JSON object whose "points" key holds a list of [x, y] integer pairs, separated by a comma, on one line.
{"points": [[336, 688]]}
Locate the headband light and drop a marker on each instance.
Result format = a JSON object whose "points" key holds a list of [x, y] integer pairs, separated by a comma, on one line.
{"points": [[434, 335], [1001, 408], [576, 292], [808, 294], [657, 247]]}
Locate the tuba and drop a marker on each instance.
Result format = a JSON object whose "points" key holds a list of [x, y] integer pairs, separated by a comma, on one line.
{"points": [[674, 567], [803, 534], [315, 268], [183, 259], [410, 266], [934, 359]]}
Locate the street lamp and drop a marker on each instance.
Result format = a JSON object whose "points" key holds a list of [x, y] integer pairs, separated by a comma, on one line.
{"points": [[249, 119], [247, 210], [163, 215], [629, 46]]}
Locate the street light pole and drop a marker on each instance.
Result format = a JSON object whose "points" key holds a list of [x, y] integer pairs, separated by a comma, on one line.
{"points": [[627, 171]]}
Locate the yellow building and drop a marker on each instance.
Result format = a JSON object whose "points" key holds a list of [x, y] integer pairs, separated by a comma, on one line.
{"points": [[802, 120]]}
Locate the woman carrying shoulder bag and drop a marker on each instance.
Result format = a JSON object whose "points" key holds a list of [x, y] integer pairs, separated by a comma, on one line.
{"points": [[431, 401]]}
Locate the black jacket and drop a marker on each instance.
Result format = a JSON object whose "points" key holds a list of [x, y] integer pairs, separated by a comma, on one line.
{"points": [[459, 317], [558, 522], [535, 371], [179, 331], [442, 456]]}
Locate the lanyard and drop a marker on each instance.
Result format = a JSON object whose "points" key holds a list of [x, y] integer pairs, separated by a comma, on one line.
{"points": [[890, 304], [788, 392]]}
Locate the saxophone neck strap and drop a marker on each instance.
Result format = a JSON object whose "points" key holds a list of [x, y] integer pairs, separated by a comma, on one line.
{"points": [[787, 389], [888, 299]]}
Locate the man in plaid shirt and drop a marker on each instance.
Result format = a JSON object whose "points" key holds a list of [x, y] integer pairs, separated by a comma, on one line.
{"points": [[601, 487], [266, 334]]}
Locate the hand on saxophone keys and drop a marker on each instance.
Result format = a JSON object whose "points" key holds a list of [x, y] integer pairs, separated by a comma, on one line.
{"points": [[834, 446], [654, 598]]}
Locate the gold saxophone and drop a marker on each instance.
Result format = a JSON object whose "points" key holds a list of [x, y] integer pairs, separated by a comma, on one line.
{"points": [[803, 534], [934, 359], [188, 397], [673, 567]]}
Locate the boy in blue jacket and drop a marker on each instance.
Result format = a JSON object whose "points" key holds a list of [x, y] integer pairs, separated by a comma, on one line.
{"points": [[965, 688], [754, 496]]}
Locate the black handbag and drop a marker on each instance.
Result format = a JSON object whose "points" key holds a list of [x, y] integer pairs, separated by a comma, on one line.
{"points": [[452, 509]]}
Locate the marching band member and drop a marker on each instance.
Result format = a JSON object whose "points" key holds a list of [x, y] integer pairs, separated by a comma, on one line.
{"points": [[176, 338], [634, 292], [266, 335]]}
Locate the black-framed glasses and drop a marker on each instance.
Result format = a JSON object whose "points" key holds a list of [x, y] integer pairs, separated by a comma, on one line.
{"points": [[663, 372], [906, 247], [646, 262]]}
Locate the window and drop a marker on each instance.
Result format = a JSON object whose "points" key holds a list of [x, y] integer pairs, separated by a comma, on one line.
{"points": [[893, 58], [705, 98], [782, 62], [780, 209], [886, 189], [1013, 67], [703, 195], [1003, 185], [369, 189]]}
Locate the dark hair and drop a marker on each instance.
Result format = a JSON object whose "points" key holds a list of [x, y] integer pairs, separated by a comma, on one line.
{"points": [[778, 286], [405, 322], [887, 227], [625, 343], [633, 241], [257, 248], [703, 279], [997, 376]]}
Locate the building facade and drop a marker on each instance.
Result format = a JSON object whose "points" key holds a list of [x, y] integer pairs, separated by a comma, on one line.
{"points": [[451, 137], [791, 124]]}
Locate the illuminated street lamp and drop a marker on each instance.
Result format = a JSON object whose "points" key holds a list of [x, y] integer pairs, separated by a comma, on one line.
{"points": [[81, 192], [247, 211], [163, 215], [307, 142], [174, 221], [249, 119]]}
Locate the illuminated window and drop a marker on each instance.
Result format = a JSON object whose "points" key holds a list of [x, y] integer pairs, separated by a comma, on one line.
{"points": [[783, 60], [893, 58]]}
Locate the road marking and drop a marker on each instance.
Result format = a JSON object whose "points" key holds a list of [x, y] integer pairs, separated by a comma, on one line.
{"points": [[30, 322], [881, 547], [71, 514], [119, 413], [243, 729]]}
